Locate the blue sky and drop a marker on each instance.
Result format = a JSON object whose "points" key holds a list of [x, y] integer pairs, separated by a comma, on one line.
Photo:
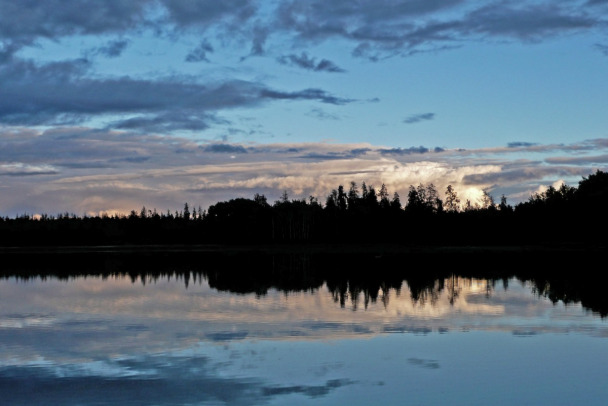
{"points": [[111, 105]]}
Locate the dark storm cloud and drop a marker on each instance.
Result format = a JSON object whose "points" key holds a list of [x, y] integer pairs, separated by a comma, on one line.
{"points": [[62, 93], [309, 63], [199, 54], [416, 118]]}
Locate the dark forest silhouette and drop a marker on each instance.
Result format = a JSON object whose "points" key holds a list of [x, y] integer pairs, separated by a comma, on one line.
{"points": [[357, 215]]}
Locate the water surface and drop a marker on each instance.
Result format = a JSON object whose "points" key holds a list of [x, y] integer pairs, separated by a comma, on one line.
{"points": [[190, 337]]}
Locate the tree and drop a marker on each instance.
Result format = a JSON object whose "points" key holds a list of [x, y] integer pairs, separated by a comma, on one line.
{"points": [[414, 203], [260, 200], [186, 212], [331, 203], [371, 199], [487, 200], [384, 202], [363, 190], [353, 196], [341, 198], [452, 202], [503, 206], [396, 202], [284, 197]]}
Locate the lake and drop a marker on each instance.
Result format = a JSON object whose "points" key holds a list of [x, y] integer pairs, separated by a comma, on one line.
{"points": [[180, 329]]}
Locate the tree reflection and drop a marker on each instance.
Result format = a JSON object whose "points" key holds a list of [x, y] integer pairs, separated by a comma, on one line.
{"points": [[355, 281]]}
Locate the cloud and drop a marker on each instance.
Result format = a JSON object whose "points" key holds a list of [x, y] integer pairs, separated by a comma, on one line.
{"points": [[528, 22], [416, 118], [199, 54], [20, 169], [578, 160], [349, 154], [307, 94], [201, 14], [112, 49], [308, 390], [60, 93], [224, 149], [602, 48], [85, 170], [519, 144], [322, 114], [309, 63], [58, 18], [385, 28], [375, 28], [404, 151], [521, 175]]}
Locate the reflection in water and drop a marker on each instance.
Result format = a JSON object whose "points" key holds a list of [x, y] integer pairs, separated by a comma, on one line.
{"points": [[353, 280], [222, 329]]}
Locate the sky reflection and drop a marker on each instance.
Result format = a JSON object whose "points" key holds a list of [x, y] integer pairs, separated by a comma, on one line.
{"points": [[173, 344]]}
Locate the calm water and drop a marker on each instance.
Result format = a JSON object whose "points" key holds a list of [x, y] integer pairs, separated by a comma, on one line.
{"points": [[194, 338]]}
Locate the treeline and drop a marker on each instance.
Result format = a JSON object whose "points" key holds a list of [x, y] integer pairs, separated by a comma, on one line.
{"points": [[354, 215]]}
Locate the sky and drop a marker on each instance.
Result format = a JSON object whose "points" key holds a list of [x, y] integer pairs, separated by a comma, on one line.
{"points": [[108, 106]]}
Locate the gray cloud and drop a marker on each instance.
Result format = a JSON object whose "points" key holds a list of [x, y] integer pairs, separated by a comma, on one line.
{"points": [[520, 144], [596, 2], [416, 118], [578, 160], [376, 28], [386, 28], [225, 149], [526, 174], [322, 114], [199, 54], [57, 18], [112, 49], [20, 170], [307, 94], [309, 63], [424, 363], [530, 22], [332, 155], [202, 13], [308, 390], [404, 151], [602, 48], [84, 170], [61, 93]]}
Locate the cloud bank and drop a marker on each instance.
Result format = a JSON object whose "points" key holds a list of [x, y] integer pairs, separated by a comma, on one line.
{"points": [[84, 170]]}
